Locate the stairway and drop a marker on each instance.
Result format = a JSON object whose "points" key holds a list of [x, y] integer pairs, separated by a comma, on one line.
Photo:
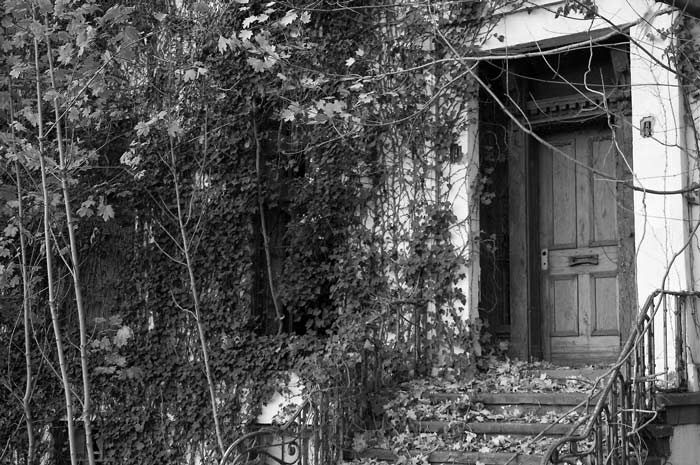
{"points": [[508, 415]]}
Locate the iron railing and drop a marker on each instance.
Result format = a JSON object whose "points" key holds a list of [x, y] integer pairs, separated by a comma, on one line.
{"points": [[624, 400], [313, 435]]}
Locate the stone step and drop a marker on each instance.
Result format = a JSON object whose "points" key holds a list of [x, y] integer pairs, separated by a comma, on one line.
{"points": [[444, 457], [512, 398], [440, 457], [592, 374], [518, 403], [491, 427]]}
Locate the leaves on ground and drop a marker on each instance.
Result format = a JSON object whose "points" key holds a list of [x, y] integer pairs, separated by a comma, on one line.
{"points": [[414, 402]]}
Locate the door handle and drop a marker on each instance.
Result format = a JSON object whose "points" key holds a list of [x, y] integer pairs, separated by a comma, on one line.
{"points": [[583, 260]]}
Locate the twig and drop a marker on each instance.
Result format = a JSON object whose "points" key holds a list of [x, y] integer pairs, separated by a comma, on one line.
{"points": [[195, 299]]}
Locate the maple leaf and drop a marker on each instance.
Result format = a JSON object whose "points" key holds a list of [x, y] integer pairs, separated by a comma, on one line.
{"points": [[85, 36], [10, 230], [258, 65], [123, 335], [332, 108], [17, 70], [105, 211], [287, 115], [288, 18], [261, 65], [190, 75], [254, 19], [142, 128], [116, 13], [65, 53], [224, 44], [174, 129], [85, 209]]}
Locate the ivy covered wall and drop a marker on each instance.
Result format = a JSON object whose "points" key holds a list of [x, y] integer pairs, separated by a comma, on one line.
{"points": [[231, 191]]}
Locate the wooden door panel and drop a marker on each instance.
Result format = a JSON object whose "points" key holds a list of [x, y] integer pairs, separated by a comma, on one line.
{"points": [[604, 192], [569, 351], [559, 184], [578, 227], [564, 300], [605, 297]]}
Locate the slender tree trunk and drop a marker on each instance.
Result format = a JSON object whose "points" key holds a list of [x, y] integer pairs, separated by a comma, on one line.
{"points": [[195, 300], [25, 299], [75, 271], [263, 228], [50, 267]]}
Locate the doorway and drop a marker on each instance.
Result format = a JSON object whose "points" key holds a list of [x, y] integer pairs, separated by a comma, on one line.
{"points": [[563, 227]]}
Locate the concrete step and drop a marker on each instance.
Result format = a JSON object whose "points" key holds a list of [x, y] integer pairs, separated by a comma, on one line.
{"points": [[518, 403], [491, 428], [562, 374], [511, 398], [440, 457]]}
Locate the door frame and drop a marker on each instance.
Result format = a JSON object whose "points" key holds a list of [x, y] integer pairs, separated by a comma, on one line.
{"points": [[525, 278]]}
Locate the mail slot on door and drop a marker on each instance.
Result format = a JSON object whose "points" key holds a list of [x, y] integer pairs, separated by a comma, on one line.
{"points": [[577, 260]]}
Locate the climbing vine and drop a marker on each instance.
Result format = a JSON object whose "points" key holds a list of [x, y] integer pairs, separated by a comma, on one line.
{"points": [[256, 188]]}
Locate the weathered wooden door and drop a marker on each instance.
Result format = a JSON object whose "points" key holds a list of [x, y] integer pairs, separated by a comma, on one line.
{"points": [[578, 243]]}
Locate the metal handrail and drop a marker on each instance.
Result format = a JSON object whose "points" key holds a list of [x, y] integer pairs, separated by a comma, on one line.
{"points": [[313, 435], [604, 414], [267, 430]]}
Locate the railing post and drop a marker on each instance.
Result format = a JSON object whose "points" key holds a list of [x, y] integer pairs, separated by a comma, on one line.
{"points": [[691, 343], [680, 342], [615, 433], [651, 351], [664, 350]]}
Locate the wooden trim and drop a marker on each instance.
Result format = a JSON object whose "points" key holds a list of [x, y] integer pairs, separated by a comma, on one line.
{"points": [[538, 46], [518, 229], [680, 408], [538, 324], [626, 262], [677, 399], [577, 107]]}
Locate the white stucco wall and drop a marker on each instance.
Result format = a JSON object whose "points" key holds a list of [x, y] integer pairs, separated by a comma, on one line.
{"points": [[532, 24], [660, 163], [691, 122], [685, 444]]}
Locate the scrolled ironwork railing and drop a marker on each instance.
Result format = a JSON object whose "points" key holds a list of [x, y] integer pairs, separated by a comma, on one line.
{"points": [[311, 436], [624, 402]]}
